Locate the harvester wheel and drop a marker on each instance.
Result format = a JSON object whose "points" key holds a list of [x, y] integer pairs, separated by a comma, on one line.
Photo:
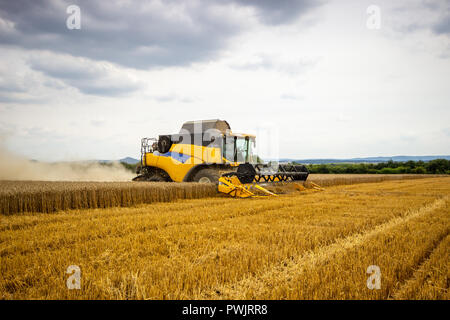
{"points": [[152, 178], [156, 178], [139, 178], [207, 176]]}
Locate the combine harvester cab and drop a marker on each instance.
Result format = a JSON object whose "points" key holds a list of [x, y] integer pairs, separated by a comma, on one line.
{"points": [[207, 151], [201, 152]]}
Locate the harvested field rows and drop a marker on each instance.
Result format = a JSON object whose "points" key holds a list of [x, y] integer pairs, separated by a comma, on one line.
{"points": [[396, 246], [37, 196], [299, 246], [431, 279], [326, 180]]}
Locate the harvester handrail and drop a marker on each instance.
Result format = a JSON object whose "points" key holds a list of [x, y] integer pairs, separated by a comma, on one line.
{"points": [[146, 147]]}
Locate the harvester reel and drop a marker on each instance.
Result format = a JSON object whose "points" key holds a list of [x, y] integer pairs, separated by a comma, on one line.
{"points": [[245, 179], [246, 173]]}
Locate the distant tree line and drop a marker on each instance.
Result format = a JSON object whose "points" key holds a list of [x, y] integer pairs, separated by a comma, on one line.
{"points": [[438, 166]]}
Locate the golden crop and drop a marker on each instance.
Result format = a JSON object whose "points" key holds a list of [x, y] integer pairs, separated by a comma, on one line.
{"points": [[37, 196], [309, 245], [431, 279], [326, 180], [40, 196]]}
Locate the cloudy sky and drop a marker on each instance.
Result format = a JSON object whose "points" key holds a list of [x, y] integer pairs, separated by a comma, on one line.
{"points": [[313, 79]]}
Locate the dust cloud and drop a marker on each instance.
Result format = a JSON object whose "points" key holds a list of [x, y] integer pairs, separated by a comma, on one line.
{"points": [[15, 167]]}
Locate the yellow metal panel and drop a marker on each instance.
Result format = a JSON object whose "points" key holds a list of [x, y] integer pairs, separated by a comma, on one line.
{"points": [[183, 157], [199, 154], [176, 169]]}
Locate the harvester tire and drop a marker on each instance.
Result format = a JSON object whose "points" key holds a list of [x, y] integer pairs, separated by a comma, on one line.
{"points": [[139, 178], [156, 178], [207, 176]]}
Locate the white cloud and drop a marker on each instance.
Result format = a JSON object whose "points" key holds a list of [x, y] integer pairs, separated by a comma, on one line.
{"points": [[332, 88]]}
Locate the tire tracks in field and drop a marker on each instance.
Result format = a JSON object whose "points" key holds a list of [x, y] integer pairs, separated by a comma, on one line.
{"points": [[33, 219], [260, 206], [117, 213], [113, 212], [136, 230], [402, 288], [258, 283], [341, 181]]}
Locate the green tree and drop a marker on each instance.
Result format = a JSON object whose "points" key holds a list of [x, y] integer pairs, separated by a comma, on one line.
{"points": [[390, 164], [387, 170], [419, 170], [323, 168], [439, 166]]}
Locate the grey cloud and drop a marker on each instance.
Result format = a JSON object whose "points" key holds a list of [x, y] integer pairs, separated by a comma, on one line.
{"points": [[102, 90], [12, 83], [443, 26], [14, 94], [415, 16], [6, 98], [138, 34], [279, 12], [14, 87], [89, 77]]}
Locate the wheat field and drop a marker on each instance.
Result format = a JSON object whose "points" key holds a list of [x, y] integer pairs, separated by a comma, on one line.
{"points": [[45, 196], [51, 196], [308, 245], [326, 180]]}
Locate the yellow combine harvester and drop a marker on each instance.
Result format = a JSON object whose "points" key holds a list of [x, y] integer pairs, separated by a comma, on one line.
{"points": [[207, 151]]}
